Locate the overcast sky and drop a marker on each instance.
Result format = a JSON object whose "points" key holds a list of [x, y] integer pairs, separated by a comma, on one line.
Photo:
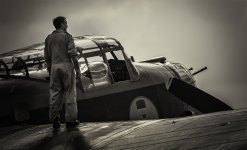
{"points": [[196, 33]]}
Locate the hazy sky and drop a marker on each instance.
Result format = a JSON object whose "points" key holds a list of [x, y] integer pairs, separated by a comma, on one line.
{"points": [[196, 33]]}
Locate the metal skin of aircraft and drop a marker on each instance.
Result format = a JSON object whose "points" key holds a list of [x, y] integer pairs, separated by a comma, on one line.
{"points": [[112, 87], [225, 130]]}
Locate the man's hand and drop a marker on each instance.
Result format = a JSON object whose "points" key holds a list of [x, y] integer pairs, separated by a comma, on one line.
{"points": [[78, 80], [78, 74], [79, 48], [76, 65]]}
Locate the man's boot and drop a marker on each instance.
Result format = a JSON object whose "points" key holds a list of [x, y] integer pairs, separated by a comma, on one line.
{"points": [[56, 123], [72, 124]]}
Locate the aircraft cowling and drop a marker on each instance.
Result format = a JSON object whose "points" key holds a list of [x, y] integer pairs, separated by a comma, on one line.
{"points": [[180, 72]]}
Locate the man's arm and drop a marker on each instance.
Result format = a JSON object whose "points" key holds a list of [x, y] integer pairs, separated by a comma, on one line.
{"points": [[73, 54], [76, 65]]}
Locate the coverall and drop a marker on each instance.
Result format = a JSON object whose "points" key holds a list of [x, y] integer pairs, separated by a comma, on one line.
{"points": [[59, 48]]}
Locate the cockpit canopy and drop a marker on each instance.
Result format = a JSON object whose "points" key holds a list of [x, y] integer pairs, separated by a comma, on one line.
{"points": [[102, 61]]}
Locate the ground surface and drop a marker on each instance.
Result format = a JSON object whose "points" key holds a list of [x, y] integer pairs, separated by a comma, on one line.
{"points": [[222, 130]]}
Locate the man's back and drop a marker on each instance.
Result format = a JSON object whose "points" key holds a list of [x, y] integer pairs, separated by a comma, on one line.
{"points": [[57, 47]]}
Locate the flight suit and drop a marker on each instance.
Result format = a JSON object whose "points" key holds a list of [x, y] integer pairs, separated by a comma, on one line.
{"points": [[59, 48]]}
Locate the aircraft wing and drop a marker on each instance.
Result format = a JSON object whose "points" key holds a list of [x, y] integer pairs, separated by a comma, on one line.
{"points": [[220, 130]]}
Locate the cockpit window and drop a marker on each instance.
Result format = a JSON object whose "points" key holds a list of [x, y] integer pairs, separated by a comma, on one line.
{"points": [[103, 67], [2, 69], [117, 55], [85, 44], [37, 66], [18, 67], [94, 72], [38, 71], [118, 66], [32, 65], [98, 70]]}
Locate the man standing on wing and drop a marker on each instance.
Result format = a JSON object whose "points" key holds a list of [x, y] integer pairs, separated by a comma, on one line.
{"points": [[61, 59]]}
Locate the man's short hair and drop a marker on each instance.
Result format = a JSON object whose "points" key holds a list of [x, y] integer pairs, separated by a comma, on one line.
{"points": [[57, 21]]}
